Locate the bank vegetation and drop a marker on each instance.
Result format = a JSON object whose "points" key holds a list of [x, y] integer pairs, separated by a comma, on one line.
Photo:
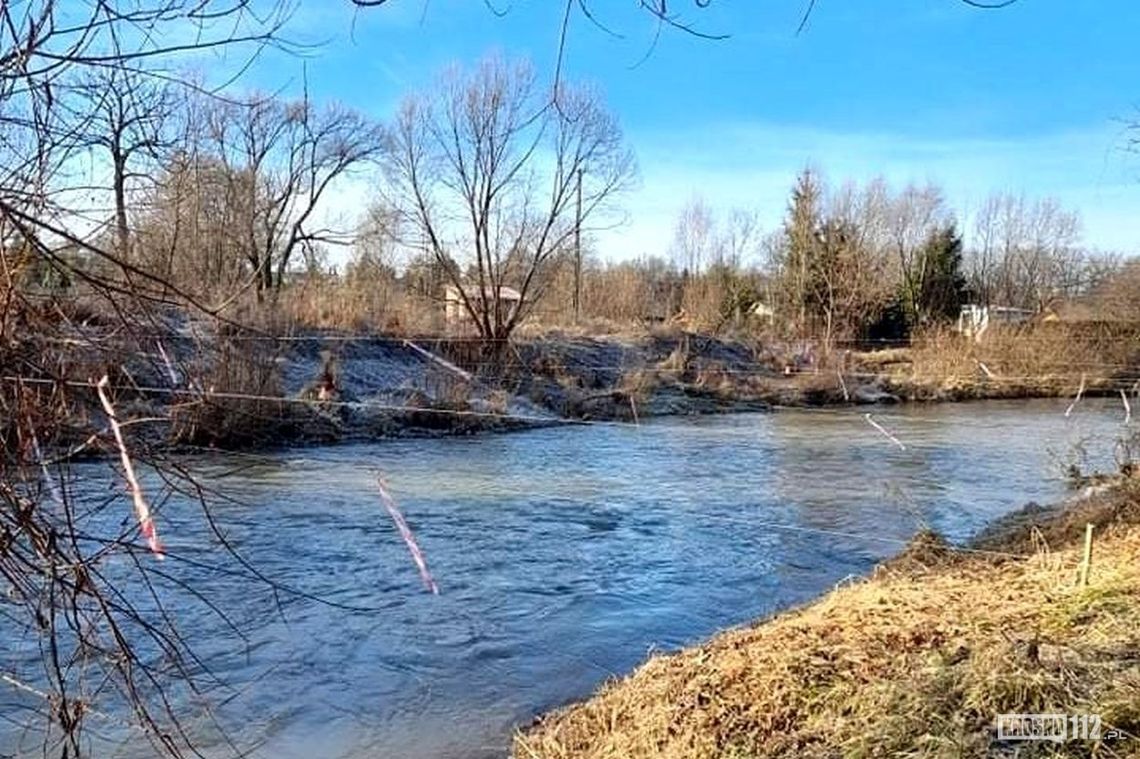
{"points": [[918, 659], [176, 269]]}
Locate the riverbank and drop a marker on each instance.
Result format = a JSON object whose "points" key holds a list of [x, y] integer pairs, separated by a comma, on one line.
{"points": [[226, 388], [663, 372], [916, 660]]}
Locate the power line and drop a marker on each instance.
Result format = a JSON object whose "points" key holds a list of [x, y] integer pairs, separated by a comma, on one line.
{"points": [[330, 403], [848, 411], [526, 340]]}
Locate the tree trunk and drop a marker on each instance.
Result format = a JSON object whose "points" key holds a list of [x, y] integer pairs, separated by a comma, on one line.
{"points": [[122, 232]]}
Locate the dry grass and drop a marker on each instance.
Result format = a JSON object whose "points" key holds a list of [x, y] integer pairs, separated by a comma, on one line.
{"points": [[916, 661], [539, 326], [215, 417], [1038, 360], [330, 304], [677, 363], [639, 384], [353, 307], [884, 360]]}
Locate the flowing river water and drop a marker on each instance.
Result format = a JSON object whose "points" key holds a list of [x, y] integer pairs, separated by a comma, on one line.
{"points": [[564, 556]]}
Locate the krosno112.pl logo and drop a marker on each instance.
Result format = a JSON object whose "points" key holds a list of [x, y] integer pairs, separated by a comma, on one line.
{"points": [[1052, 727]]}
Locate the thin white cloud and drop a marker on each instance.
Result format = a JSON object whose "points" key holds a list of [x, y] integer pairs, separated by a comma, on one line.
{"points": [[754, 165]]}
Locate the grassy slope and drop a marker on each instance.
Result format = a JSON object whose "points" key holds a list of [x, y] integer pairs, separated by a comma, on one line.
{"points": [[915, 661]]}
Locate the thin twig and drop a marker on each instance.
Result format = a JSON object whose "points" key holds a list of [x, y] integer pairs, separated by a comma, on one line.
{"points": [[1076, 400], [142, 508], [169, 366], [883, 430], [53, 489], [409, 538]]}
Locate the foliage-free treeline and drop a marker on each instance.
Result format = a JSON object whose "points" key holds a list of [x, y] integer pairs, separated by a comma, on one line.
{"points": [[846, 263], [487, 178], [230, 203], [871, 261], [488, 181], [868, 260]]}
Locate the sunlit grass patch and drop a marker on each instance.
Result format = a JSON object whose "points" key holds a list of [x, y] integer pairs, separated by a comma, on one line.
{"points": [[917, 661]]}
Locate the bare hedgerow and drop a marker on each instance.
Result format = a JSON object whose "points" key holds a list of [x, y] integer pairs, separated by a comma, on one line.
{"points": [[87, 590]]}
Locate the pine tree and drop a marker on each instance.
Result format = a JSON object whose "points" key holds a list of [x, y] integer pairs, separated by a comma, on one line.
{"points": [[943, 286], [801, 230]]}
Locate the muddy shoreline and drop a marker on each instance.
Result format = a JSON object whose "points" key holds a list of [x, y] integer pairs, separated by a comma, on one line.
{"points": [[253, 391]]}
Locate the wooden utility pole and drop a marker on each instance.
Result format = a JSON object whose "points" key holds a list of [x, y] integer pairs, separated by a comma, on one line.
{"points": [[578, 252]]}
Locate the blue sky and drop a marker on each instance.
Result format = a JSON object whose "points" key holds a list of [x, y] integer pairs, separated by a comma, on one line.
{"points": [[1032, 98]]}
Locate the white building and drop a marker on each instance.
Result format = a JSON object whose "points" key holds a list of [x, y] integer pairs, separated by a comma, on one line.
{"points": [[974, 320], [762, 311], [456, 312]]}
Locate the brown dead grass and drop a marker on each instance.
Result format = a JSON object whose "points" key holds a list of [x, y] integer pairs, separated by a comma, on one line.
{"points": [[1033, 360], [329, 304], [239, 401], [916, 661]]}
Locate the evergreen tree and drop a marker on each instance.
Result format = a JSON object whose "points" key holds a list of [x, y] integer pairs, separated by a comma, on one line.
{"points": [[801, 232], [943, 285]]}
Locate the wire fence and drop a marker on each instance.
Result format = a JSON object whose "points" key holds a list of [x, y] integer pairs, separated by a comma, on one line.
{"points": [[199, 395], [899, 439]]}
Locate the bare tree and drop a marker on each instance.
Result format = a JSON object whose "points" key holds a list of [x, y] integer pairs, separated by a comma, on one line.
{"points": [[1118, 294], [372, 266], [1051, 262], [484, 171], [128, 130], [49, 53], [740, 240], [189, 228], [695, 243], [245, 192], [711, 257], [374, 248], [77, 638], [1025, 253], [284, 156], [915, 214], [983, 260], [859, 281], [830, 286]]}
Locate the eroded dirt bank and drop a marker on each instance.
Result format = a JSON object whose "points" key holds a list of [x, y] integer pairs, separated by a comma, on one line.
{"points": [[203, 387], [626, 378]]}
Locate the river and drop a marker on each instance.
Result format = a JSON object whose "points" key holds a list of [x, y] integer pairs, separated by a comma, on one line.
{"points": [[564, 556]]}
